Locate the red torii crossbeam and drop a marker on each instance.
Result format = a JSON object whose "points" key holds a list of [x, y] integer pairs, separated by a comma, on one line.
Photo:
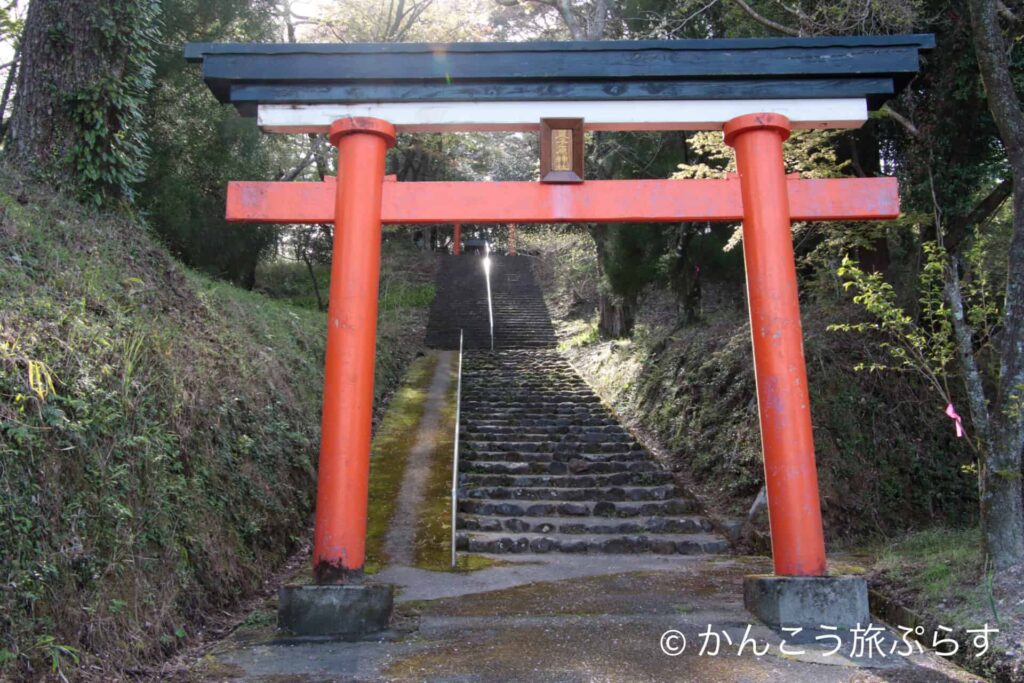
{"points": [[595, 201], [762, 196]]}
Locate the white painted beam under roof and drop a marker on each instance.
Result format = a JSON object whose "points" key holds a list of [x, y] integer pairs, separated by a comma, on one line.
{"points": [[424, 117]]}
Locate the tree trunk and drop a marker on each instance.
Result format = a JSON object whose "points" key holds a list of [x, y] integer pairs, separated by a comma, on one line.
{"points": [[617, 316], [862, 153], [61, 54], [684, 277], [85, 68], [312, 278], [1001, 501], [12, 77]]}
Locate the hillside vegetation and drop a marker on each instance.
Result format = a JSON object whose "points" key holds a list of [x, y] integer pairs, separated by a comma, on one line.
{"points": [[887, 458], [158, 436]]}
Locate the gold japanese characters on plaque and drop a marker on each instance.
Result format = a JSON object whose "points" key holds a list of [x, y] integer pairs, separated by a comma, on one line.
{"points": [[561, 150]]}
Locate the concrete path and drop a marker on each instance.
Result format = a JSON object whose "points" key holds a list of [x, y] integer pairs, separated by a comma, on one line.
{"points": [[399, 543], [556, 618]]}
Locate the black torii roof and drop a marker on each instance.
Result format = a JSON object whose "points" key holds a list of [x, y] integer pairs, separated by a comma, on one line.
{"points": [[870, 67]]}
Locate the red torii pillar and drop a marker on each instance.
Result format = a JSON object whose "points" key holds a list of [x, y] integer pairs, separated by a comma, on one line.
{"points": [[457, 239], [784, 405], [339, 536], [766, 200]]}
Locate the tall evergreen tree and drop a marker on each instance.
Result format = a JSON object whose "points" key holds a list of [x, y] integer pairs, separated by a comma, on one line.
{"points": [[85, 70]]}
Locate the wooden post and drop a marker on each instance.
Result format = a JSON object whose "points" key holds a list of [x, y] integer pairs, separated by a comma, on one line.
{"points": [[339, 539], [794, 510], [512, 240], [457, 239]]}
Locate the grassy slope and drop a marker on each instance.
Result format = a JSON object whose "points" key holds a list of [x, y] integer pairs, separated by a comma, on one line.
{"points": [[937, 577], [157, 437]]}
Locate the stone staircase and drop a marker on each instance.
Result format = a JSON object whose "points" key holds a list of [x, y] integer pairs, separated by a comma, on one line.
{"points": [[545, 467], [520, 318]]}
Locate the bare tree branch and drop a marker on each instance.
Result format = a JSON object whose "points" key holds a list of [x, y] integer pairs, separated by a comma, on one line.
{"points": [[1006, 12], [965, 349], [958, 228], [569, 17], [598, 20], [794, 11], [765, 21], [12, 76], [899, 118], [291, 175]]}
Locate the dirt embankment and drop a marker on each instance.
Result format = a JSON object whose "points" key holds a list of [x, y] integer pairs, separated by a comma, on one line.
{"points": [[158, 438]]}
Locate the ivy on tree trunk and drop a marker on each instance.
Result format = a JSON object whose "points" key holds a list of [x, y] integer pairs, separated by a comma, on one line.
{"points": [[85, 70]]}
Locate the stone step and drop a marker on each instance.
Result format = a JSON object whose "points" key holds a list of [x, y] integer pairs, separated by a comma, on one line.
{"points": [[551, 447], [526, 435], [559, 426], [667, 544], [559, 456], [544, 464], [566, 481], [595, 493], [562, 427], [585, 525], [514, 411], [576, 466], [559, 508], [521, 318], [528, 410]]}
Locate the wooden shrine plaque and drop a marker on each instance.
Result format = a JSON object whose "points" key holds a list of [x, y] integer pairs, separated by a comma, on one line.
{"points": [[561, 150]]}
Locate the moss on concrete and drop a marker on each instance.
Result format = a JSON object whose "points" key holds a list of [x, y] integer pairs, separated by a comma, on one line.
{"points": [[434, 528], [395, 437]]}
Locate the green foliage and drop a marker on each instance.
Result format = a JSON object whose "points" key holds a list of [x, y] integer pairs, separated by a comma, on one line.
{"points": [[10, 22], [811, 153], [110, 155], [56, 653], [156, 444], [923, 344], [197, 145], [881, 465], [582, 333], [405, 281], [260, 618], [940, 564], [158, 436], [923, 341], [633, 257]]}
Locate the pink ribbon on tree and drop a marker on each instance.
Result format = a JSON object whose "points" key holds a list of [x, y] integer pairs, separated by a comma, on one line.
{"points": [[953, 415]]}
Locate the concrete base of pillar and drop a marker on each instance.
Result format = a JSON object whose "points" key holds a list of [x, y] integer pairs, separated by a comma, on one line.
{"points": [[344, 611], [807, 601]]}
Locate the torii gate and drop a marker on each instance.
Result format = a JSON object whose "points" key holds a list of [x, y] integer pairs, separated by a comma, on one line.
{"points": [[755, 90]]}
